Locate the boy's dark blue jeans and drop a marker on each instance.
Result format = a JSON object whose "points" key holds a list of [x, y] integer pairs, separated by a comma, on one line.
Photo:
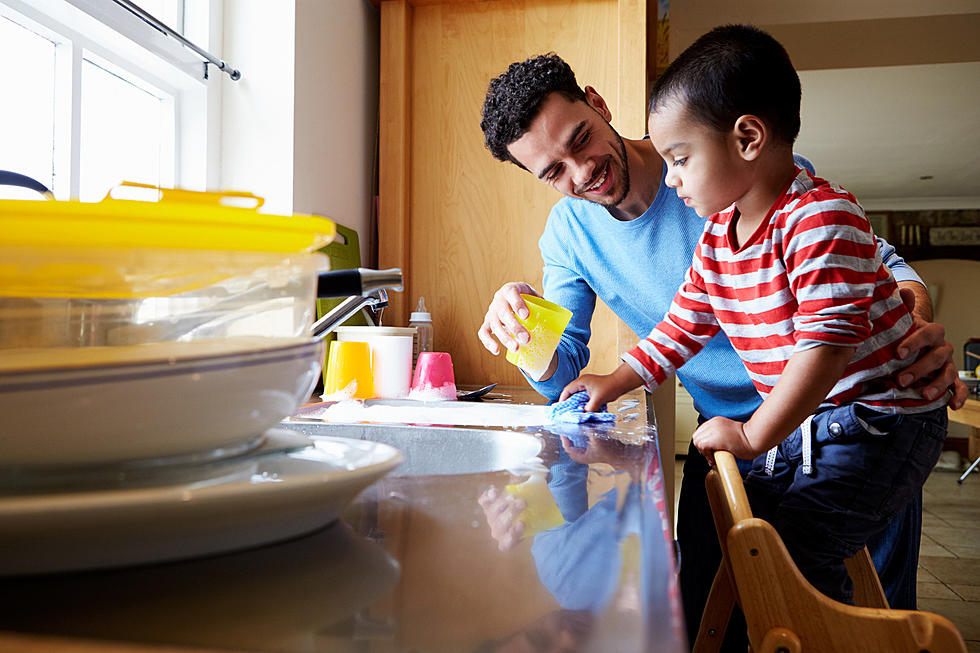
{"points": [[867, 466]]}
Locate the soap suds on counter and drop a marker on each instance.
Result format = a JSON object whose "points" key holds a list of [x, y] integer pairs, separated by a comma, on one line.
{"points": [[435, 412]]}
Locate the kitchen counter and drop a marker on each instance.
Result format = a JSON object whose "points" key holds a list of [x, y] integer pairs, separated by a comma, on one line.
{"points": [[423, 560]]}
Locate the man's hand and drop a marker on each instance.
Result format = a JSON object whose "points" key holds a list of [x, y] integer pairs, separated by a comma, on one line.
{"points": [[935, 366], [603, 388], [723, 434], [502, 511], [500, 322]]}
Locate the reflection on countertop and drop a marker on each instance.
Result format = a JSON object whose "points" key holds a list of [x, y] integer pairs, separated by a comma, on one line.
{"points": [[562, 542]]}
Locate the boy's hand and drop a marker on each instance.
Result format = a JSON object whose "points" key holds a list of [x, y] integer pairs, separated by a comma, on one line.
{"points": [[603, 388], [723, 434]]}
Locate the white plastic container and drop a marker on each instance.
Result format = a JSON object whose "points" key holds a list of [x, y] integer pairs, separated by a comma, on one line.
{"points": [[391, 357]]}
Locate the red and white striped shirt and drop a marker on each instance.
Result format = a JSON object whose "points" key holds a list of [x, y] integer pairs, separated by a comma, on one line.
{"points": [[810, 275]]}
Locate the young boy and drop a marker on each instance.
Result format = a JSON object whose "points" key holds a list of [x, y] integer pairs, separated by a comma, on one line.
{"points": [[787, 267]]}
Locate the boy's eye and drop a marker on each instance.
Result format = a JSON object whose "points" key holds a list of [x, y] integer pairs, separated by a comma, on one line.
{"points": [[680, 162]]}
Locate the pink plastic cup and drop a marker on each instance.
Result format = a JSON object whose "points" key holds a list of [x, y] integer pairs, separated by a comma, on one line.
{"points": [[433, 380]]}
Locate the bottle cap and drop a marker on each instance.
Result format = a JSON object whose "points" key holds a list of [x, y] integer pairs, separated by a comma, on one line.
{"points": [[420, 314]]}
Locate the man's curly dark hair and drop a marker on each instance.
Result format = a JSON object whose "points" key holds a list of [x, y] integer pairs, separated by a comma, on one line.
{"points": [[514, 99]]}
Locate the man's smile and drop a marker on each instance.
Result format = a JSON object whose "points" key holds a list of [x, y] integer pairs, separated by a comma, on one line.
{"points": [[598, 183]]}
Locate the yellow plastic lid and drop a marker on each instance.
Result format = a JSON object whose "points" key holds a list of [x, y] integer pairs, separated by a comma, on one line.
{"points": [[179, 219]]}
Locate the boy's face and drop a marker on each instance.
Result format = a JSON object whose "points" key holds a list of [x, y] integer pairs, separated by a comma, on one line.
{"points": [[702, 162], [572, 147]]}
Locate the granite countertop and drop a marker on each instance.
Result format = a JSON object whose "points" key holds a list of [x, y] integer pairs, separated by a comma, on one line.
{"points": [[430, 558]]}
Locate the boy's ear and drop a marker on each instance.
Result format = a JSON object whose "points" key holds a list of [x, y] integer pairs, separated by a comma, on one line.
{"points": [[751, 135], [595, 101]]}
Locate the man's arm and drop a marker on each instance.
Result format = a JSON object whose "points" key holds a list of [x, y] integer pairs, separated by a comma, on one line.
{"points": [[563, 285], [500, 324], [935, 355], [935, 365]]}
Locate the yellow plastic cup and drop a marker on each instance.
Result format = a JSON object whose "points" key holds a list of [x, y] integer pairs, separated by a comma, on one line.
{"points": [[545, 323], [542, 511], [349, 370]]}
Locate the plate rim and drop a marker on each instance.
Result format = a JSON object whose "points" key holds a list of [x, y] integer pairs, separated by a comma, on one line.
{"points": [[18, 505], [170, 361]]}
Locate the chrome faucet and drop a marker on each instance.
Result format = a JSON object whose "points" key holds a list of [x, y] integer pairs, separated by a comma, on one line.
{"points": [[362, 287]]}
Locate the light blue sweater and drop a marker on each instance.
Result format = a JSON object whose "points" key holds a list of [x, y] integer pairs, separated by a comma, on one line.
{"points": [[635, 268]]}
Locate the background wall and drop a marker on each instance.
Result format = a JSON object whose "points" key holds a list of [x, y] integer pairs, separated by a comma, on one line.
{"points": [[299, 128], [336, 114], [257, 110]]}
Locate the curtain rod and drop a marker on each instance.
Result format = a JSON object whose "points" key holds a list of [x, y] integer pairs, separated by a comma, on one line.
{"points": [[152, 21]]}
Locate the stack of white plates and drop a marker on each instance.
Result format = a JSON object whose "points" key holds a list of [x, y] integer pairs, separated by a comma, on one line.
{"points": [[123, 455]]}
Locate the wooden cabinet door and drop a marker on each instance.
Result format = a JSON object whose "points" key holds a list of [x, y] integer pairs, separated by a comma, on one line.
{"points": [[457, 221]]}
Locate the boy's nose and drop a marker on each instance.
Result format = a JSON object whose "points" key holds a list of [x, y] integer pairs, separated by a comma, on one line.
{"points": [[672, 179]]}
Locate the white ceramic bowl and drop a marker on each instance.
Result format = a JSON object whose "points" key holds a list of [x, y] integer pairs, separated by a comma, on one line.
{"points": [[107, 405]]}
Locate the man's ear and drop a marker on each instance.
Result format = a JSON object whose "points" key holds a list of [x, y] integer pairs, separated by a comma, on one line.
{"points": [[595, 101], [751, 135]]}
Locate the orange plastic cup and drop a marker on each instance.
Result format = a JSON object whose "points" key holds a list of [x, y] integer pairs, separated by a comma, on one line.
{"points": [[349, 370]]}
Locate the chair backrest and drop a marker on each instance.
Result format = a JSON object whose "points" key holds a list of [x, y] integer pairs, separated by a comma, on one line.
{"points": [[784, 612]]}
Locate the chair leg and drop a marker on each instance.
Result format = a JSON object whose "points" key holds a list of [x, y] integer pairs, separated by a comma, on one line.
{"points": [[717, 612], [970, 469], [868, 591]]}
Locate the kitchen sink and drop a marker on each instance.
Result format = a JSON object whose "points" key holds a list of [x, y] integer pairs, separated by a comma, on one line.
{"points": [[430, 450]]}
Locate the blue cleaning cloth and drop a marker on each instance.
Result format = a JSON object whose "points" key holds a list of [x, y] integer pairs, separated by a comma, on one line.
{"points": [[572, 411]]}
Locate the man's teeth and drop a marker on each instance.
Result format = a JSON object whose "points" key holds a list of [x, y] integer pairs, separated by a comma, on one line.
{"points": [[601, 181]]}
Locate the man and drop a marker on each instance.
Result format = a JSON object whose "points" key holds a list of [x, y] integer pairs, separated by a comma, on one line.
{"points": [[621, 235]]}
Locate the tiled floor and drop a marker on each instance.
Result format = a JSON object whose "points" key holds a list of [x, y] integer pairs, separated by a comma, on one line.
{"points": [[949, 558]]}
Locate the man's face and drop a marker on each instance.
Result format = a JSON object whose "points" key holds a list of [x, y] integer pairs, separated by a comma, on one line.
{"points": [[702, 163], [572, 147]]}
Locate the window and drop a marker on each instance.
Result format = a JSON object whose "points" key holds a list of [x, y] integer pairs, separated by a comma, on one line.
{"points": [[126, 132], [27, 115], [100, 97]]}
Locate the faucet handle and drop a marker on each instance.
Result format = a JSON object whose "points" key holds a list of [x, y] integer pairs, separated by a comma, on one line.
{"points": [[348, 283], [381, 279]]}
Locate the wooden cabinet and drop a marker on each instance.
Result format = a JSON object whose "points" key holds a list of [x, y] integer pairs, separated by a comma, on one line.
{"points": [[458, 222]]}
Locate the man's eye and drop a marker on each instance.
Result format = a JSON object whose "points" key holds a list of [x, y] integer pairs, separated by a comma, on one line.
{"points": [[555, 172], [584, 138]]}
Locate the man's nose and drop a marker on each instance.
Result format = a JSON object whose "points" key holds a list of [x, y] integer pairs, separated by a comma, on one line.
{"points": [[582, 172]]}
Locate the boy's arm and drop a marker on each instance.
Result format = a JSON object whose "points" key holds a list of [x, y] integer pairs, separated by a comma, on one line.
{"points": [[688, 326], [807, 380], [603, 388]]}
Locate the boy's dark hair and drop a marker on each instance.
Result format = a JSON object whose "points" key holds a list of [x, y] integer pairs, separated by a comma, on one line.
{"points": [[514, 99], [732, 71]]}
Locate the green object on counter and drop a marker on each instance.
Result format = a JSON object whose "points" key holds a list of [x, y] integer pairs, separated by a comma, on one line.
{"points": [[344, 254]]}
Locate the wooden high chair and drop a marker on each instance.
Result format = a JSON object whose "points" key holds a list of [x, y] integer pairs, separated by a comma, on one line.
{"points": [[784, 613]]}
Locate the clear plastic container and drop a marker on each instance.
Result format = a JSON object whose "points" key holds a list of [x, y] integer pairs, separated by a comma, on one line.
{"points": [[185, 268]]}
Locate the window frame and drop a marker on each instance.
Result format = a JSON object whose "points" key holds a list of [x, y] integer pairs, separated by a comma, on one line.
{"points": [[112, 38]]}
